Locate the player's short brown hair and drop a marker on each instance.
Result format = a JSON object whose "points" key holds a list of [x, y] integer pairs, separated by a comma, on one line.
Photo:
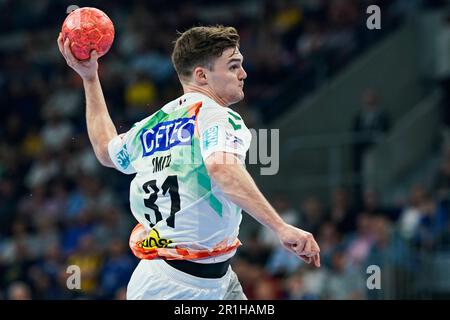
{"points": [[200, 46]]}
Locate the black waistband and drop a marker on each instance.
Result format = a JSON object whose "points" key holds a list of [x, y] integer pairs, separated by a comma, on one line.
{"points": [[201, 270]]}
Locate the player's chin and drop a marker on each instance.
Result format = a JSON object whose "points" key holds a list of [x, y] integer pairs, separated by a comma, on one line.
{"points": [[239, 96]]}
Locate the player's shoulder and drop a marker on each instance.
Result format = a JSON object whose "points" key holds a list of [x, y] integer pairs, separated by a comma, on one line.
{"points": [[209, 110], [220, 114], [214, 111]]}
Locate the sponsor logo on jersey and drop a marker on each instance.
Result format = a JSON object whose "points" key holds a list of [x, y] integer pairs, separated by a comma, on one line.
{"points": [[210, 137], [154, 240], [123, 158], [168, 134]]}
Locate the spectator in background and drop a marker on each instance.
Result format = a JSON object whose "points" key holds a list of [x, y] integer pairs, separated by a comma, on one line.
{"points": [[44, 168], [370, 202], [328, 239], [412, 215], [312, 48], [433, 223], [369, 126], [116, 269], [314, 281], [312, 214], [358, 244], [392, 254], [89, 258], [19, 291], [41, 284], [7, 208], [65, 99], [294, 288], [341, 212], [267, 289], [343, 282], [121, 294], [372, 205], [56, 133], [255, 251]]}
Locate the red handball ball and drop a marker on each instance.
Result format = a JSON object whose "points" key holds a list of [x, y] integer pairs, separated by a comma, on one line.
{"points": [[88, 29]]}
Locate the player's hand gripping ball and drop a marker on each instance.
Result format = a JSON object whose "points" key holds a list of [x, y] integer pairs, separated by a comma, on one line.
{"points": [[88, 29]]}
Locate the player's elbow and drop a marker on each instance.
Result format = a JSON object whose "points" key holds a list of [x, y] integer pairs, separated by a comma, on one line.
{"points": [[101, 152], [214, 169], [106, 162]]}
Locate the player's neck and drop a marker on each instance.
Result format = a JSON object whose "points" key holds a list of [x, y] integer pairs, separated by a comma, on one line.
{"points": [[192, 88]]}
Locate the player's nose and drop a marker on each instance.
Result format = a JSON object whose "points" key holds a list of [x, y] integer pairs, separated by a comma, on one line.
{"points": [[243, 74]]}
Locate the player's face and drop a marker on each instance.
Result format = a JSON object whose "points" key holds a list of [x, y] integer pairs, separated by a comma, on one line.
{"points": [[226, 79]]}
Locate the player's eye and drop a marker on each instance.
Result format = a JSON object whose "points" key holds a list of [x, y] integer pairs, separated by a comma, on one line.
{"points": [[234, 67]]}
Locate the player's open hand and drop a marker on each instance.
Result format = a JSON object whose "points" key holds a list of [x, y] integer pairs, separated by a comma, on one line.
{"points": [[301, 243], [86, 69]]}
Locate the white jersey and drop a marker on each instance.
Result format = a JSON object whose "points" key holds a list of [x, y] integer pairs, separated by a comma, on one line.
{"points": [[182, 214]]}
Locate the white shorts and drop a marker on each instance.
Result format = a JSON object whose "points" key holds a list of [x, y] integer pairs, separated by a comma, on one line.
{"points": [[156, 280]]}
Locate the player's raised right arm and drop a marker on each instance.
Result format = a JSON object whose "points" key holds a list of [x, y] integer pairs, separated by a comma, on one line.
{"points": [[99, 124]]}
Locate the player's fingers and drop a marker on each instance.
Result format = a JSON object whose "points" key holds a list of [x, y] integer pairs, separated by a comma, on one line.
{"points": [[299, 246], [306, 259], [316, 260], [315, 247], [94, 56], [312, 248], [307, 249], [60, 43], [289, 247], [68, 53], [293, 249]]}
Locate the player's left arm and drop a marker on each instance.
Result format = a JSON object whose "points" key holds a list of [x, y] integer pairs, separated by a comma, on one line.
{"points": [[101, 129]]}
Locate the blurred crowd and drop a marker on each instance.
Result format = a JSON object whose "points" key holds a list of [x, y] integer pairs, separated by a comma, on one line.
{"points": [[59, 207], [398, 238], [290, 48]]}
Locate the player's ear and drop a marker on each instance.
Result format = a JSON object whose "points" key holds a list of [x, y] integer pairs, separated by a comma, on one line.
{"points": [[200, 76]]}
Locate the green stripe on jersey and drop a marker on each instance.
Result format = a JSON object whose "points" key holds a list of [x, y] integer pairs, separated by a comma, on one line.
{"points": [[234, 115], [215, 204], [203, 180]]}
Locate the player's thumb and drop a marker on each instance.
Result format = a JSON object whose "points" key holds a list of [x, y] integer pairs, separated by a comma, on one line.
{"points": [[94, 55]]}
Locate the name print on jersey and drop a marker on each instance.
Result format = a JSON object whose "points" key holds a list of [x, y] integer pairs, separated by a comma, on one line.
{"points": [[160, 163], [166, 135]]}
